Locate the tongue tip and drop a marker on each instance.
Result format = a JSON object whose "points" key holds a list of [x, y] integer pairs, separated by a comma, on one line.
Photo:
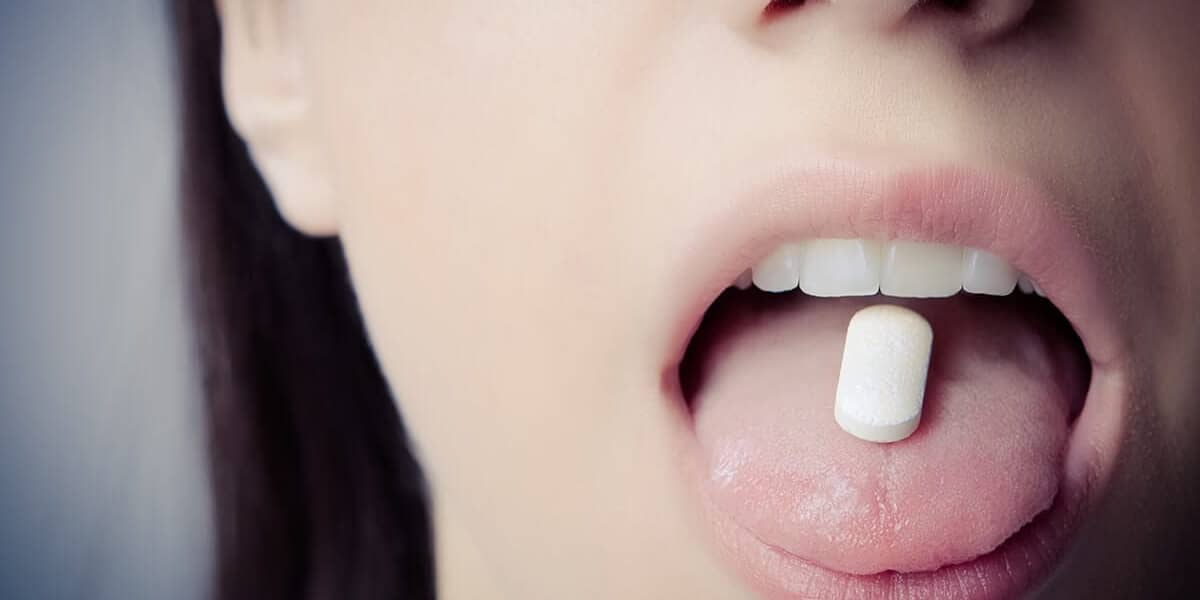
{"points": [[844, 540]]}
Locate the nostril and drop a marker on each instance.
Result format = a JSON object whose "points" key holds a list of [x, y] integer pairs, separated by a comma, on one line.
{"points": [[973, 20], [876, 13], [954, 6], [778, 7], [948, 7]]}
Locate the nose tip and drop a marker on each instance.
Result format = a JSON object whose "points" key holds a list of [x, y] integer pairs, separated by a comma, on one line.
{"points": [[973, 20], [875, 13]]}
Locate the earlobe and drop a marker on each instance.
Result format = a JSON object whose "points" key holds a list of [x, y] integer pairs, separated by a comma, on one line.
{"points": [[269, 104]]}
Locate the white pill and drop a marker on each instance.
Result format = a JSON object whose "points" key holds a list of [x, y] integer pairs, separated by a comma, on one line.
{"points": [[881, 388]]}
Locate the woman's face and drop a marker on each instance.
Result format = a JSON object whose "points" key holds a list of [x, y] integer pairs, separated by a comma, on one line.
{"points": [[539, 200]]}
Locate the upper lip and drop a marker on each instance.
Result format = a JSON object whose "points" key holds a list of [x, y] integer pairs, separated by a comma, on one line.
{"points": [[1007, 214]]}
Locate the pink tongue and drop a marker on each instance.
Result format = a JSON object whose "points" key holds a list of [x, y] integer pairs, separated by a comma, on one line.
{"points": [[984, 462]]}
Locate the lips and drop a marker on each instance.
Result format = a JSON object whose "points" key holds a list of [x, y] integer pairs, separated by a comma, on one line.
{"points": [[800, 509]]}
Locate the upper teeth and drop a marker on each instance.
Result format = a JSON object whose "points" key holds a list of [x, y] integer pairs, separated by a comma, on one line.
{"points": [[856, 267]]}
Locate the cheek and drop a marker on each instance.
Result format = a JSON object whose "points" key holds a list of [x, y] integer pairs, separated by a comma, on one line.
{"points": [[491, 230], [1154, 65], [477, 174]]}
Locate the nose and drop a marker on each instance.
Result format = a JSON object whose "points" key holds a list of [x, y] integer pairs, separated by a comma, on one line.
{"points": [[875, 13], [971, 20]]}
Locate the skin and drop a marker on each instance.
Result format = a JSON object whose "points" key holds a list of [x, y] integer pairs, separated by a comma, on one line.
{"points": [[513, 180]]}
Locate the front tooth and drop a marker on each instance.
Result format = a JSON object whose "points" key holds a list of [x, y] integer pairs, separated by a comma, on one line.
{"points": [[920, 270], [1025, 284], [744, 281], [780, 272], [841, 267], [986, 273]]}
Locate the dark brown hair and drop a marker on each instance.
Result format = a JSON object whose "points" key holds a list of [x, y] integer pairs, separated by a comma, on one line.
{"points": [[316, 493]]}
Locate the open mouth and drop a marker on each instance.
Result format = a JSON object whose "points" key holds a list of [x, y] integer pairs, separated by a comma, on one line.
{"points": [[1023, 390], [1006, 380]]}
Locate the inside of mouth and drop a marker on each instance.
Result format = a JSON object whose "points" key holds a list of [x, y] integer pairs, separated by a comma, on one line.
{"points": [[1007, 378]]}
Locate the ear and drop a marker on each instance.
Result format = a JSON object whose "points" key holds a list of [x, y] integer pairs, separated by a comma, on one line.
{"points": [[269, 103]]}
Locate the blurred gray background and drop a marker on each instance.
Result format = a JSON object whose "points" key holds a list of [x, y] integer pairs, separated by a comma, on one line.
{"points": [[103, 490]]}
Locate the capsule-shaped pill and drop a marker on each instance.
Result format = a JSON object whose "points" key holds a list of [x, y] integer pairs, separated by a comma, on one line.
{"points": [[881, 387]]}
